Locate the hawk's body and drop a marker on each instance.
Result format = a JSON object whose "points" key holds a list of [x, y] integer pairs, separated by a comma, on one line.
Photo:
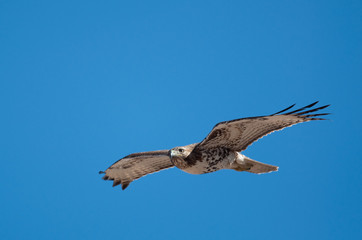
{"points": [[219, 150], [215, 159], [199, 162]]}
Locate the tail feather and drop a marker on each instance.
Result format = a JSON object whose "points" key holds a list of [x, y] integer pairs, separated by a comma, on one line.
{"points": [[243, 163], [259, 167]]}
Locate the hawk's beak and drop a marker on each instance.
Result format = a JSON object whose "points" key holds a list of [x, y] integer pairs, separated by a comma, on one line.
{"points": [[173, 153]]}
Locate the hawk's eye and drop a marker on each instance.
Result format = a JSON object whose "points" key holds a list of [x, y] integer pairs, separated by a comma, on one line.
{"points": [[180, 150]]}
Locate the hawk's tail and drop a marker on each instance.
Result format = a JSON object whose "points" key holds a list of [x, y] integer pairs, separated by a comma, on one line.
{"points": [[259, 167], [243, 163]]}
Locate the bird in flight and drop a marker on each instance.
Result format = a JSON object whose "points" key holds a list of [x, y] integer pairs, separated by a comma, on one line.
{"points": [[219, 150]]}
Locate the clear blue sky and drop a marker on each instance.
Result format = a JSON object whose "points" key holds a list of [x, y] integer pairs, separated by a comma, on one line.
{"points": [[84, 83]]}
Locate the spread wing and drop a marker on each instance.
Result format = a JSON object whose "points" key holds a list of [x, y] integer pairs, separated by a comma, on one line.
{"points": [[238, 134], [137, 165]]}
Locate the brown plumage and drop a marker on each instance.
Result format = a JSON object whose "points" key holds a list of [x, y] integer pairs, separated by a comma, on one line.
{"points": [[219, 150]]}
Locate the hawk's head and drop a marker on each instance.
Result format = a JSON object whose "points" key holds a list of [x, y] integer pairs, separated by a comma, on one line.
{"points": [[180, 152]]}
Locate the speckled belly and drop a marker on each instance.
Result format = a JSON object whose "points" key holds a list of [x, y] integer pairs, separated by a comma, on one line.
{"points": [[211, 161]]}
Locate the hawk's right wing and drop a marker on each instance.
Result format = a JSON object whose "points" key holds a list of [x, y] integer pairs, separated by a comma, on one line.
{"points": [[238, 134], [137, 165]]}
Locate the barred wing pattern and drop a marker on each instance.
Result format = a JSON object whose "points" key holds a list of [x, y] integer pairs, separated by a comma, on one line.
{"points": [[137, 165], [238, 134]]}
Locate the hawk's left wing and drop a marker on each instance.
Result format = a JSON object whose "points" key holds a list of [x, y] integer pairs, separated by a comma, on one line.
{"points": [[238, 134], [137, 165]]}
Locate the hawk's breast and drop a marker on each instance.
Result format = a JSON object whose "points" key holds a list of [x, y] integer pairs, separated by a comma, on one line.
{"points": [[206, 161]]}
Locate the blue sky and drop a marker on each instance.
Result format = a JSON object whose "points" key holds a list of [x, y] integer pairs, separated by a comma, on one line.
{"points": [[84, 83]]}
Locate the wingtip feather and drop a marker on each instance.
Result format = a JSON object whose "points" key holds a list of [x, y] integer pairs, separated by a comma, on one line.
{"points": [[300, 109], [116, 182], [312, 110], [286, 109], [125, 185], [313, 119]]}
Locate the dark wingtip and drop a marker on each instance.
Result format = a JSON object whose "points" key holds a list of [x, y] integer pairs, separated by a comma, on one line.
{"points": [[101, 172], [313, 119], [325, 106], [312, 104], [116, 182], [286, 109], [301, 109], [312, 110], [315, 115], [125, 185]]}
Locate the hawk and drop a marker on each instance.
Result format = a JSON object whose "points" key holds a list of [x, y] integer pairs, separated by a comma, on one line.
{"points": [[219, 150]]}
